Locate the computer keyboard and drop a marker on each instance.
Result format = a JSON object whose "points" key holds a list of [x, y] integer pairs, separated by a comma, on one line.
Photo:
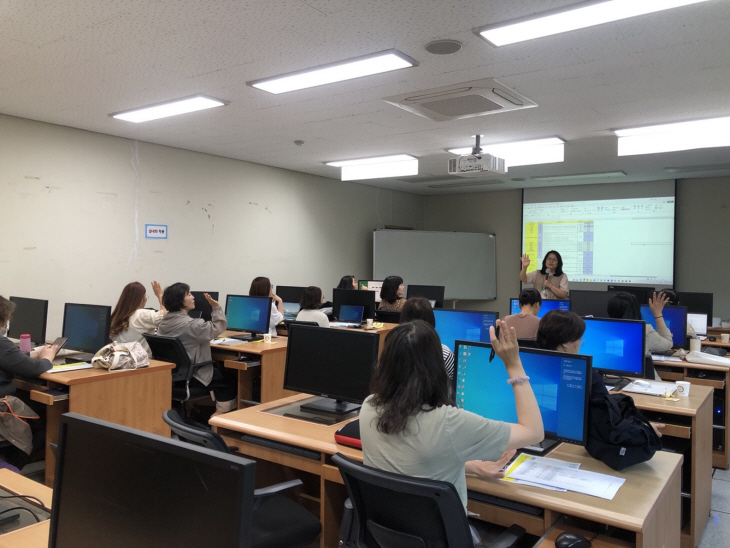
{"points": [[281, 446]]}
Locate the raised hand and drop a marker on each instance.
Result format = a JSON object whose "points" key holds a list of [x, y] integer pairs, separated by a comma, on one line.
{"points": [[525, 260]]}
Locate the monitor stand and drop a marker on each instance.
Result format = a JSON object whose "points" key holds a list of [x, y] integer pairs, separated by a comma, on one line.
{"points": [[542, 448], [248, 337], [329, 406]]}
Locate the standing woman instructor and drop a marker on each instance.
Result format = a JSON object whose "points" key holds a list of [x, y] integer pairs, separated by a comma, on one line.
{"points": [[550, 280]]}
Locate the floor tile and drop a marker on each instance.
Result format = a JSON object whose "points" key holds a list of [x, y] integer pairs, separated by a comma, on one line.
{"points": [[717, 531], [720, 496], [722, 474]]}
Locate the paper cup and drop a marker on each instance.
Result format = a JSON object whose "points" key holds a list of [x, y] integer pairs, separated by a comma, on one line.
{"points": [[267, 338], [683, 388], [369, 323], [725, 337], [695, 344]]}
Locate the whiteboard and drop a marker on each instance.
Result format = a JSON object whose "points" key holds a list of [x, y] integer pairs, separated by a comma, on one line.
{"points": [[464, 262]]}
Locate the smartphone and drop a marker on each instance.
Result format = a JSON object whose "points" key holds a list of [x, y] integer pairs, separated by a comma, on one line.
{"points": [[60, 342]]}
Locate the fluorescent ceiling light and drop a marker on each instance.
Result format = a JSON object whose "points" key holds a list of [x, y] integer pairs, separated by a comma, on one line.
{"points": [[397, 165], [168, 108], [523, 153], [587, 14], [602, 175], [672, 137], [367, 65]]}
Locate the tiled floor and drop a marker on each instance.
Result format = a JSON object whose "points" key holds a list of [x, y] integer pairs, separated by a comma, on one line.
{"points": [[717, 531]]}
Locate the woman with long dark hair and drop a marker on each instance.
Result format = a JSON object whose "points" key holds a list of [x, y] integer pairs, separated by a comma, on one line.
{"points": [[262, 287], [347, 282], [130, 318], [550, 280], [391, 294]]}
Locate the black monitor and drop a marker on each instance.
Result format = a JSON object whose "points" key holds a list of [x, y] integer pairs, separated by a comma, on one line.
{"points": [[290, 296], [202, 306], [697, 303], [29, 317], [642, 293], [249, 314], [371, 285], [434, 293], [334, 363], [546, 306], [463, 325], [366, 299], [618, 346], [590, 303], [561, 383], [86, 326], [119, 487], [674, 316]]}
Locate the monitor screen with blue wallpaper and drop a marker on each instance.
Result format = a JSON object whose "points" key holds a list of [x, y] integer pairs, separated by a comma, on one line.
{"points": [[617, 346], [674, 316], [561, 383], [546, 306], [464, 325]]}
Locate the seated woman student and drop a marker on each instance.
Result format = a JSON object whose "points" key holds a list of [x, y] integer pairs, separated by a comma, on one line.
{"points": [[550, 280], [624, 305], [418, 308], [673, 297], [526, 322], [391, 294], [347, 282], [195, 335], [130, 318], [309, 307], [31, 437], [261, 287], [409, 424]]}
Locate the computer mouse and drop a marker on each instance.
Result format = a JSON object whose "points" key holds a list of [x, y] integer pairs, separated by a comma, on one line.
{"points": [[572, 540], [643, 384]]}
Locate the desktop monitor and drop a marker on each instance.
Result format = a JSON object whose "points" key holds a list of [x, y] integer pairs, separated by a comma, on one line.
{"points": [[617, 346], [334, 363], [697, 303], [366, 299], [546, 306], [698, 323], [434, 293], [86, 326], [29, 317], [642, 293], [561, 383], [464, 325], [249, 314], [674, 316], [117, 487], [290, 296], [371, 285], [202, 306], [590, 303]]}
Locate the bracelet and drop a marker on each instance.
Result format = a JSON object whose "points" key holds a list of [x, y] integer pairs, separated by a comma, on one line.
{"points": [[518, 380], [657, 317]]}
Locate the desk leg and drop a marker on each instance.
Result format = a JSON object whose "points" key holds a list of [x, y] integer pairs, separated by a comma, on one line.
{"points": [[661, 528], [333, 495], [53, 422]]}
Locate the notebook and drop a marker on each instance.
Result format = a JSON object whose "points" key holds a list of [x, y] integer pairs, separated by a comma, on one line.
{"points": [[652, 388]]}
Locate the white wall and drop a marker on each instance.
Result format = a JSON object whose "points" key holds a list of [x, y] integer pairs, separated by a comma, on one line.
{"points": [[75, 204]]}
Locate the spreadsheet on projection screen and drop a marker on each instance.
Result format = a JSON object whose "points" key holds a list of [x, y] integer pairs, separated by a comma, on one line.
{"points": [[613, 241]]}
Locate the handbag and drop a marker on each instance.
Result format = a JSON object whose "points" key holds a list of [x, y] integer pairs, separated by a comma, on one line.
{"points": [[618, 434], [121, 356], [14, 414]]}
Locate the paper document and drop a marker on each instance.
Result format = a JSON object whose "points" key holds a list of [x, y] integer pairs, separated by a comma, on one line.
{"points": [[70, 367], [580, 481], [652, 388], [522, 457], [663, 358], [225, 341]]}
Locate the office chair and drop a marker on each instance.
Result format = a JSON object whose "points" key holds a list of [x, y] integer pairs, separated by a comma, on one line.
{"points": [[397, 511], [289, 323], [277, 522], [387, 316], [527, 343], [170, 349]]}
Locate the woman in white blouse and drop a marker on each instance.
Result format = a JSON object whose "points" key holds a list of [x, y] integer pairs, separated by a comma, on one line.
{"points": [[130, 318]]}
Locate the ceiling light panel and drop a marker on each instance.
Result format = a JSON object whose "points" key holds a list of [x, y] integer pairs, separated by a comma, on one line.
{"points": [[587, 14], [168, 108], [367, 65], [674, 137]]}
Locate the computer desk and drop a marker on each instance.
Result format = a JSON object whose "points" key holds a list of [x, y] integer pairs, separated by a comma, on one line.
{"points": [[273, 363], [647, 505], [32, 536], [131, 397]]}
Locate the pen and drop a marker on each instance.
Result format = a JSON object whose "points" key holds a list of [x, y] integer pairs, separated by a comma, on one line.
{"points": [[496, 336]]}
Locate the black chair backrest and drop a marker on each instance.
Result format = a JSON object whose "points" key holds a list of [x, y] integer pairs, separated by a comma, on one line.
{"points": [[194, 434], [170, 349], [289, 323], [387, 316], [527, 343], [394, 510]]}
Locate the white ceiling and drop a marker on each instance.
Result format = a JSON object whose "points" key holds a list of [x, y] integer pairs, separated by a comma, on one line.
{"points": [[73, 62]]}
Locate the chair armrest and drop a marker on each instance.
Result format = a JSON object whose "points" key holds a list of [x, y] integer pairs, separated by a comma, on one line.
{"points": [[276, 489], [508, 537]]}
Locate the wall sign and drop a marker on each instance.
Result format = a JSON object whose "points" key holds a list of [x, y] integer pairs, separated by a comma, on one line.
{"points": [[158, 232]]}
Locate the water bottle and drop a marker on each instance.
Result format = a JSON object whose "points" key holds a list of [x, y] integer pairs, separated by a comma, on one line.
{"points": [[25, 343]]}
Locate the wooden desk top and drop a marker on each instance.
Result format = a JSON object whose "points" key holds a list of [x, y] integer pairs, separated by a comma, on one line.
{"points": [[629, 509], [33, 535], [698, 396], [690, 365], [83, 376], [278, 344]]}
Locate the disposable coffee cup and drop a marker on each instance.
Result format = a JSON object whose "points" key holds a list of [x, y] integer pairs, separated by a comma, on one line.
{"points": [[725, 337], [369, 323], [695, 344], [267, 338], [683, 388]]}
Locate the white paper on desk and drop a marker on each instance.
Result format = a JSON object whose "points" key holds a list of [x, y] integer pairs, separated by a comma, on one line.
{"points": [[227, 342], [544, 460], [663, 358], [580, 481]]}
